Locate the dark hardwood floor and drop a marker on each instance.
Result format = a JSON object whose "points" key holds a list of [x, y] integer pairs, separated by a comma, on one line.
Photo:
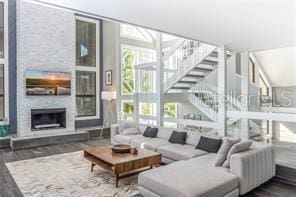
{"points": [[8, 187]]}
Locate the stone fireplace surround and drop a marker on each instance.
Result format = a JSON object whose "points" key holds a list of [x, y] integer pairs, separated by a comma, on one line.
{"points": [[55, 53]]}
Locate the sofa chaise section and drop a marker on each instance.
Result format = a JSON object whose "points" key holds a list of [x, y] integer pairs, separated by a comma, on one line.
{"points": [[196, 177], [199, 177]]}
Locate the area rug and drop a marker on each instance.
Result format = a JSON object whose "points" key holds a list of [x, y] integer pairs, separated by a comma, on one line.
{"points": [[67, 175]]}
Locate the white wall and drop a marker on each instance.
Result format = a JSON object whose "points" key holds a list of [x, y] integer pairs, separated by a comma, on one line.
{"points": [[45, 41], [111, 58]]}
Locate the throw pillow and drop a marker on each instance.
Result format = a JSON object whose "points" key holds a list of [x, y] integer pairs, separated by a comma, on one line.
{"points": [[131, 131], [224, 149], [236, 148], [125, 124], [178, 137], [150, 132], [209, 144]]}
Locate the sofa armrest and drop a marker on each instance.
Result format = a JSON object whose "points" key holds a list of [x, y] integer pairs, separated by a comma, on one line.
{"points": [[253, 167], [113, 131]]}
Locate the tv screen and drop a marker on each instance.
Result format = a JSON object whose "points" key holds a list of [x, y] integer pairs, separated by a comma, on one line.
{"points": [[47, 83]]}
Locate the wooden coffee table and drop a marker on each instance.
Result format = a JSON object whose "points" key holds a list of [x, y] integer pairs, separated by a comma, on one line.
{"points": [[121, 165]]}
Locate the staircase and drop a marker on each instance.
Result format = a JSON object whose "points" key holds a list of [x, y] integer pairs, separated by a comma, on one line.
{"points": [[185, 66], [189, 62]]}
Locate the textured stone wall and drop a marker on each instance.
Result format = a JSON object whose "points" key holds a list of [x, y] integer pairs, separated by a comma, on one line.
{"points": [[45, 41]]}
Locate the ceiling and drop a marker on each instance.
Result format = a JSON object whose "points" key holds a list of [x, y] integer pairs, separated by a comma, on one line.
{"points": [[279, 65], [239, 24]]}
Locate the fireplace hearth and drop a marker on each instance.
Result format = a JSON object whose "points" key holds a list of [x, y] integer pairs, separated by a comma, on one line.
{"points": [[46, 119]]}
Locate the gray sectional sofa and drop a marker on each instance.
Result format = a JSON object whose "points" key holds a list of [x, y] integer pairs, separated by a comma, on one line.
{"points": [[191, 172]]}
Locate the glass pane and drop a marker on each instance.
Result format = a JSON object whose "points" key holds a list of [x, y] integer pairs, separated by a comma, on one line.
{"points": [[1, 92], [1, 30], [85, 83], [168, 37], [85, 43], [146, 77], [146, 56], [147, 108], [170, 125], [134, 32], [147, 81], [146, 121], [127, 107], [170, 110], [128, 73], [86, 106]]}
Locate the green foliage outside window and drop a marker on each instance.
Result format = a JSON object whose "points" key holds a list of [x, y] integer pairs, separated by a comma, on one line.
{"points": [[146, 108], [170, 110], [146, 82], [128, 107], [128, 76]]}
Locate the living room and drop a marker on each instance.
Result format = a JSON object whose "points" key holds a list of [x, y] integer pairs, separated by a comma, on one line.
{"points": [[81, 85]]}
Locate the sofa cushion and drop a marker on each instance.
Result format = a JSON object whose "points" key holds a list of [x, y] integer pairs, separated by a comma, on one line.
{"points": [[139, 141], [151, 144], [193, 137], [179, 152], [125, 139], [150, 132], [164, 133], [130, 131], [178, 137], [125, 124], [209, 144], [189, 178]]}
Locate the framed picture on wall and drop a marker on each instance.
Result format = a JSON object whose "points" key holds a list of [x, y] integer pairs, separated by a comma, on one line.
{"points": [[108, 77]]}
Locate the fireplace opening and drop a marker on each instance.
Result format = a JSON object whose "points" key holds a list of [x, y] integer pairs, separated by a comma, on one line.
{"points": [[45, 119]]}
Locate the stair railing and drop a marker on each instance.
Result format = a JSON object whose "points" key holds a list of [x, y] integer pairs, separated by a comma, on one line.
{"points": [[205, 98]]}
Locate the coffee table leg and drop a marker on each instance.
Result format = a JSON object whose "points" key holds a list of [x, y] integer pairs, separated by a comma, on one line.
{"points": [[116, 181], [92, 167]]}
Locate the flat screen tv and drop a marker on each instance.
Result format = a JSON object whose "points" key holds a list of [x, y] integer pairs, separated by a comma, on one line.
{"points": [[47, 83]]}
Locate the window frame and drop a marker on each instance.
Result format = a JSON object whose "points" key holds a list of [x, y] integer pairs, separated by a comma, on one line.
{"points": [[4, 61], [95, 69]]}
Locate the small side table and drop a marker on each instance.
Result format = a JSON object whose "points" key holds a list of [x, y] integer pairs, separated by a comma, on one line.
{"points": [[3, 128]]}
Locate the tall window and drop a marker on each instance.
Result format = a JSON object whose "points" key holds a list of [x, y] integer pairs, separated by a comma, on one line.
{"points": [[131, 56], [86, 67], [2, 61]]}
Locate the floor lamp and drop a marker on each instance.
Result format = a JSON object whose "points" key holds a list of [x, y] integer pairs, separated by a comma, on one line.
{"points": [[108, 96]]}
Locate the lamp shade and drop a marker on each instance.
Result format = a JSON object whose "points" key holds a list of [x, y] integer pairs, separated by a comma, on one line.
{"points": [[108, 95]]}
